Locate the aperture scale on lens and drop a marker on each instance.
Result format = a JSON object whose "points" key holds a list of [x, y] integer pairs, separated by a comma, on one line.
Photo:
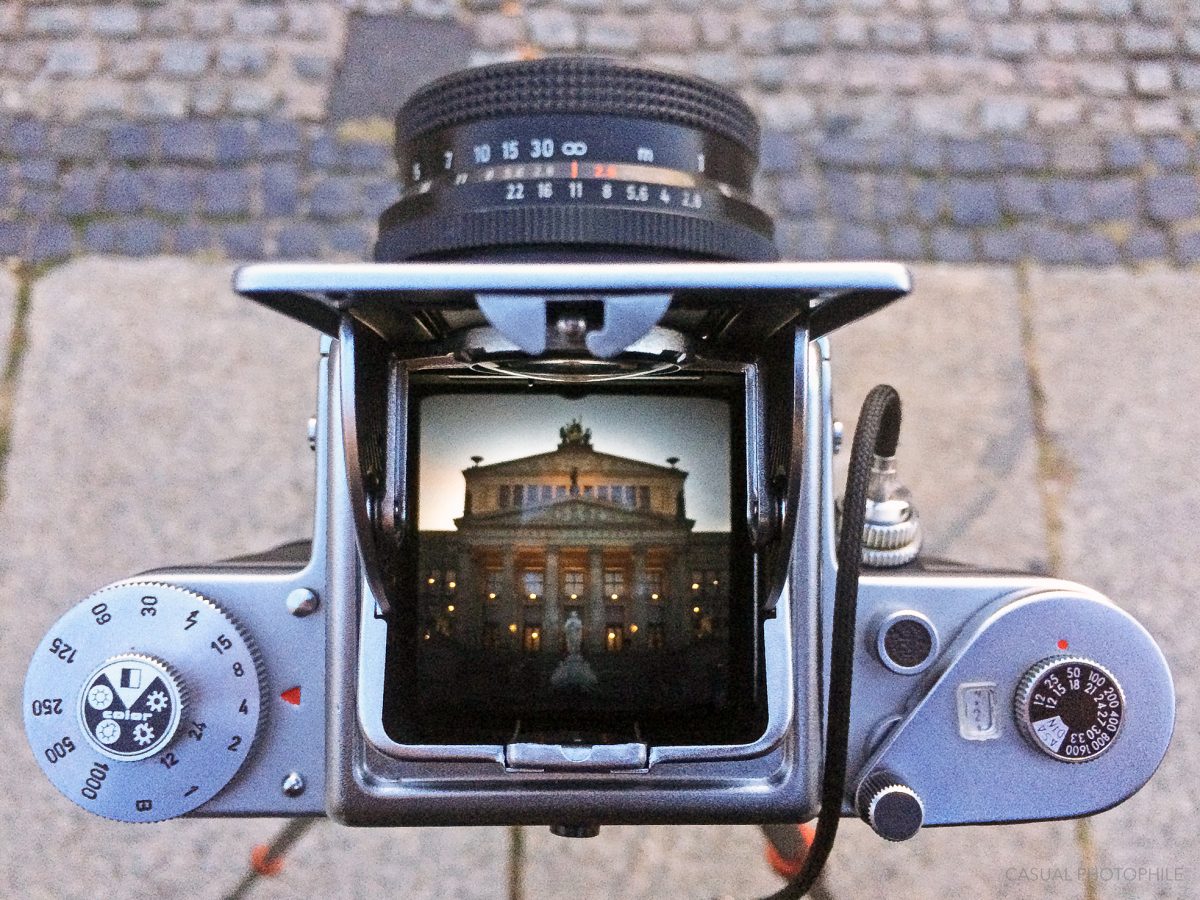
{"points": [[572, 155]]}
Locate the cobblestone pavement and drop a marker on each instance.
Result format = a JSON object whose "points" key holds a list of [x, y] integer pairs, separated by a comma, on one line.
{"points": [[1063, 131], [157, 419]]}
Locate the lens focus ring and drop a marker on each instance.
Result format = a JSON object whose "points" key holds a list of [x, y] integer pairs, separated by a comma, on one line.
{"points": [[572, 86], [564, 156]]}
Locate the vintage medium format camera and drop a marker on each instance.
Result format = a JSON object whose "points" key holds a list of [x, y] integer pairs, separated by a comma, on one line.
{"points": [[577, 558]]}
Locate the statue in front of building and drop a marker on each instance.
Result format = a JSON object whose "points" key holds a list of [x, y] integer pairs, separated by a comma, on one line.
{"points": [[573, 629], [573, 673]]}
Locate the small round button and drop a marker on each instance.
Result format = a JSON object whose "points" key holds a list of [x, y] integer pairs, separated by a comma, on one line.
{"points": [[130, 706], [1070, 708], [907, 642], [890, 807]]}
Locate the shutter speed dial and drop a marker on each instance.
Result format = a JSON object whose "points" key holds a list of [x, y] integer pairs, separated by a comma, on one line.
{"points": [[143, 702], [1070, 708]]}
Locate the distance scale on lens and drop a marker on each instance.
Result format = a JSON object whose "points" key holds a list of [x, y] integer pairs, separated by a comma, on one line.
{"points": [[1070, 708], [143, 702]]}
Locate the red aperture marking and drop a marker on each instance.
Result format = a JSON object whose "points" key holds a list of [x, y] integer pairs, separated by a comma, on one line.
{"points": [[291, 695], [574, 169], [1063, 644]]}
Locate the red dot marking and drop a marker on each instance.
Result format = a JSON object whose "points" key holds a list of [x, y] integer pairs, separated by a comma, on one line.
{"points": [[263, 863], [291, 695], [1062, 644]]}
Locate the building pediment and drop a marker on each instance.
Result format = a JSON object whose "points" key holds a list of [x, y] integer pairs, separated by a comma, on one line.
{"points": [[561, 462], [573, 512]]}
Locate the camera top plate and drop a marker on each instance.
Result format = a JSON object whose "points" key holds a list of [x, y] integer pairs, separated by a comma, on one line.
{"points": [[385, 296]]}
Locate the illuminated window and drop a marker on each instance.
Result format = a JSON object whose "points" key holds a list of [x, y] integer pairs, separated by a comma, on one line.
{"points": [[614, 583], [614, 638], [534, 583], [493, 580], [573, 584], [654, 585], [706, 583], [532, 640]]}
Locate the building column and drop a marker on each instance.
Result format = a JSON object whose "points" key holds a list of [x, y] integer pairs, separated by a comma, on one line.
{"points": [[678, 614], [551, 620], [595, 622], [510, 598], [639, 596], [468, 604]]}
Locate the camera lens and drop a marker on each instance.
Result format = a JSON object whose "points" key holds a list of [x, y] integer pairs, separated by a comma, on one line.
{"points": [[562, 159]]}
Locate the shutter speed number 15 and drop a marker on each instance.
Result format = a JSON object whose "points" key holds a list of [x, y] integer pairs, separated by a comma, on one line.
{"points": [[538, 148]]}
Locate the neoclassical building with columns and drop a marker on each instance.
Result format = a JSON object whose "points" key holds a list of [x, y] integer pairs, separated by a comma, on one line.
{"points": [[574, 530]]}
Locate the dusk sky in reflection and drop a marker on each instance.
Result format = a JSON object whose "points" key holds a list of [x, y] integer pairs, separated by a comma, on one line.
{"points": [[648, 428]]}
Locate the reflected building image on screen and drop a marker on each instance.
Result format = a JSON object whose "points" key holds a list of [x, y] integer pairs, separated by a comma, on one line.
{"points": [[574, 533]]}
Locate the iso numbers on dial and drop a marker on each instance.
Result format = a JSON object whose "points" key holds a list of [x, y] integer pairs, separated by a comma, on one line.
{"points": [[1075, 711], [143, 702]]}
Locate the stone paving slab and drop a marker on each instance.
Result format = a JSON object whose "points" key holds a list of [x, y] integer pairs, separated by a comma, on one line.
{"points": [[8, 308], [688, 861], [1119, 358]]}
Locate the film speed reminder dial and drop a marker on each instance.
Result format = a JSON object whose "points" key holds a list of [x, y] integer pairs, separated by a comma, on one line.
{"points": [[1070, 708], [143, 702]]}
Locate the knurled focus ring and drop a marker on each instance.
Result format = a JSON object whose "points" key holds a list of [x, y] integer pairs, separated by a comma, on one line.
{"points": [[570, 226], [572, 86]]}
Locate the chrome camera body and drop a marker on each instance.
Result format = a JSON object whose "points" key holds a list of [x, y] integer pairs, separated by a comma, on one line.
{"points": [[949, 659]]}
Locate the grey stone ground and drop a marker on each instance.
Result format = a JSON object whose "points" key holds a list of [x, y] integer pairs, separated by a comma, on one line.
{"points": [[8, 301], [159, 420]]}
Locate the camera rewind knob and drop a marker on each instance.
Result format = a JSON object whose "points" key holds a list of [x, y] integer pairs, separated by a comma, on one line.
{"points": [[143, 701], [890, 807], [891, 529]]}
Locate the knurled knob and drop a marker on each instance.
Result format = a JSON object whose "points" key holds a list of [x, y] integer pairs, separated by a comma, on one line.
{"points": [[891, 526], [889, 806], [1070, 708]]}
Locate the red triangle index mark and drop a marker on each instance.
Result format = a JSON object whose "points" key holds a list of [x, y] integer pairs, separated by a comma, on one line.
{"points": [[291, 695]]}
